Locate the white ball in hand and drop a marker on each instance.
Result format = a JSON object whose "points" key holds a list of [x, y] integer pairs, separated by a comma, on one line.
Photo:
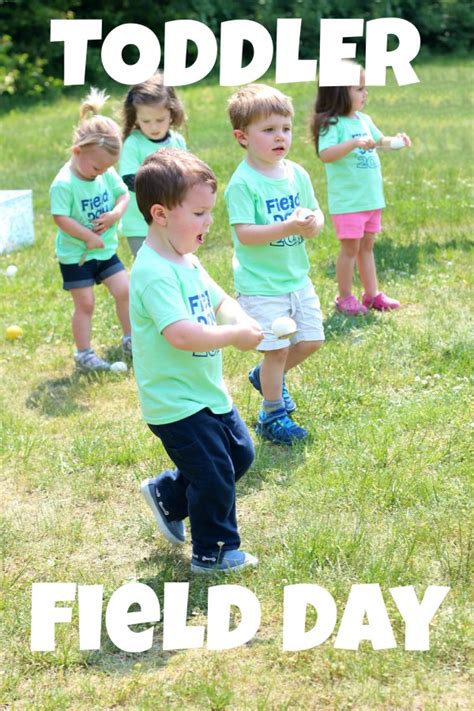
{"points": [[396, 143], [119, 367], [11, 270], [283, 327], [304, 213]]}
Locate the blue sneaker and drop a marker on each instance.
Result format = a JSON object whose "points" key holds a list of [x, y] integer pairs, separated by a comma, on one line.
{"points": [[173, 531], [277, 427], [254, 378], [227, 563], [290, 404]]}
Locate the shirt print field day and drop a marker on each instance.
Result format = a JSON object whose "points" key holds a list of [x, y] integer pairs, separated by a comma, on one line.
{"points": [[201, 310], [365, 156], [278, 209], [95, 206]]}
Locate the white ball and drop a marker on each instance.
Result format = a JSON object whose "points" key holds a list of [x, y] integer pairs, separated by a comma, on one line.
{"points": [[11, 270], [396, 143], [283, 326], [304, 212], [119, 367]]}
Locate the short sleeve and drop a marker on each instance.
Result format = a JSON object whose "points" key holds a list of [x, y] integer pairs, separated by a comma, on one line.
{"points": [[240, 205], [130, 157], [61, 199], [118, 186], [328, 138], [164, 302]]}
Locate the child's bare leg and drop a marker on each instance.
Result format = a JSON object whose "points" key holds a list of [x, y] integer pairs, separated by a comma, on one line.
{"points": [[117, 284], [366, 264], [271, 373], [345, 265], [83, 299], [300, 351]]}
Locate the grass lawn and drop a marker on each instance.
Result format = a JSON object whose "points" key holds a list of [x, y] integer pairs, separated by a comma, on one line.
{"points": [[380, 493]]}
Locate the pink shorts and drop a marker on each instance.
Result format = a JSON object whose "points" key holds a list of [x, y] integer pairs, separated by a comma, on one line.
{"points": [[353, 225]]}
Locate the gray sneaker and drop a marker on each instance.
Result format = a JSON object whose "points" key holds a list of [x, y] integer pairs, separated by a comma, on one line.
{"points": [[88, 361], [127, 347], [173, 531], [228, 562]]}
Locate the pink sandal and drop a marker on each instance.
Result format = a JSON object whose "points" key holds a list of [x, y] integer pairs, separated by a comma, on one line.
{"points": [[380, 302]]}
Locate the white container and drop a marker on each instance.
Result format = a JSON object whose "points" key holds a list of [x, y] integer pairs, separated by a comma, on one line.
{"points": [[16, 219]]}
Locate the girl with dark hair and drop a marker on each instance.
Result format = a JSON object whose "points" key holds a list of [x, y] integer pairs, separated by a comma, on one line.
{"points": [[346, 140], [150, 111]]}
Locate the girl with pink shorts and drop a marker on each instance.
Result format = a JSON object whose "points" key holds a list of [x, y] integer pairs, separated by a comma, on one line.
{"points": [[346, 140]]}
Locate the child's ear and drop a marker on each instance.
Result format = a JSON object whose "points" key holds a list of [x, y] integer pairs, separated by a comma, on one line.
{"points": [[159, 214], [76, 150], [240, 136]]}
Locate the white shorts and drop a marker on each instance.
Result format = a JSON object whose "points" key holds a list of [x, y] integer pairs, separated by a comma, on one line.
{"points": [[302, 305]]}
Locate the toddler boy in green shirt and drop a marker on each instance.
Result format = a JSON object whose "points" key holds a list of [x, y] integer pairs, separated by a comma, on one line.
{"points": [[180, 321], [272, 212]]}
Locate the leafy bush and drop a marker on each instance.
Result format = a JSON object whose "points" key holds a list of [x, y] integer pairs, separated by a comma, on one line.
{"points": [[19, 74]]}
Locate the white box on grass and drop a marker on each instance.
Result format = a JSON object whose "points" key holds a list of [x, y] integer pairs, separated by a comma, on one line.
{"points": [[16, 219]]}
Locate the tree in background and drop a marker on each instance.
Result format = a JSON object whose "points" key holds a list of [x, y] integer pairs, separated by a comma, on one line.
{"points": [[31, 65]]}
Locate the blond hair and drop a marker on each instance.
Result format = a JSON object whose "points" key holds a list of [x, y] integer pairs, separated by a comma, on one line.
{"points": [[166, 176], [95, 129], [257, 101], [150, 92]]}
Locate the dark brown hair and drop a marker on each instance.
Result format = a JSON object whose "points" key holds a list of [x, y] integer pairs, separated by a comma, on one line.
{"points": [[166, 176], [149, 92], [331, 102]]}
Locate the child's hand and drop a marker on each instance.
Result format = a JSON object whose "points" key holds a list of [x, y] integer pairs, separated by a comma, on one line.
{"points": [[106, 220], [94, 242], [365, 142], [248, 336], [307, 223], [406, 139]]}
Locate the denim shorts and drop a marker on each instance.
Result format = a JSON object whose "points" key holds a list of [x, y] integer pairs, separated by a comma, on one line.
{"points": [[94, 271]]}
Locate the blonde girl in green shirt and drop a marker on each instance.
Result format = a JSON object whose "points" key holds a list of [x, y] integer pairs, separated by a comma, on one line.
{"points": [[88, 198]]}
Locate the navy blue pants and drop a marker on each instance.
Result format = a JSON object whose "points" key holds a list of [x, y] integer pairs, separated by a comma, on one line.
{"points": [[210, 452]]}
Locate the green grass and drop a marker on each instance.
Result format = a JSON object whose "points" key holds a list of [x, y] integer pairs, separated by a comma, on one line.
{"points": [[380, 493]]}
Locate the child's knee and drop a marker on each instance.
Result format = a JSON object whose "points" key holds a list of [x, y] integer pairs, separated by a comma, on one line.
{"points": [[122, 293], [278, 356], [350, 247], [84, 305], [309, 347]]}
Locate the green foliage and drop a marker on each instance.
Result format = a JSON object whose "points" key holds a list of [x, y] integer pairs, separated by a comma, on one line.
{"points": [[28, 59], [20, 74]]}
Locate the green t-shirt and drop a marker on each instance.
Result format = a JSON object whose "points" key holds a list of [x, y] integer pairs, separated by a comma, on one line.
{"points": [[254, 199], [135, 149], [84, 201], [173, 383], [355, 181]]}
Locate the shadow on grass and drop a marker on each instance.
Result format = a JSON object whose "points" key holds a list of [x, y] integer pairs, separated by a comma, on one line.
{"points": [[58, 397], [274, 463], [338, 326], [155, 571], [392, 256]]}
